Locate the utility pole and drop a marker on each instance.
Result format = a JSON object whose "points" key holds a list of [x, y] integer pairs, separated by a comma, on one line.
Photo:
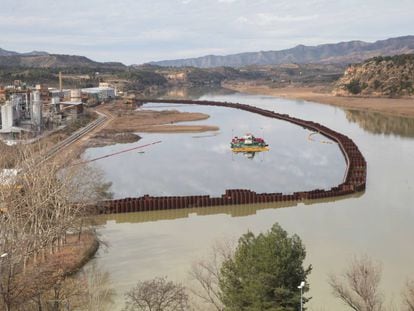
{"points": [[302, 284]]}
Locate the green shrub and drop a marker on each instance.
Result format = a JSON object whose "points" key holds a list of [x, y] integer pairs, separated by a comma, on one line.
{"points": [[354, 87]]}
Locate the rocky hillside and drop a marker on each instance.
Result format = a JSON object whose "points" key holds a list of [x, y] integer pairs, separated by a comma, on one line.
{"points": [[379, 76], [337, 53]]}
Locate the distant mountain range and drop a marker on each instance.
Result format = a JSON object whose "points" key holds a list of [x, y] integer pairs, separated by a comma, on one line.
{"points": [[40, 59], [337, 53], [11, 53]]}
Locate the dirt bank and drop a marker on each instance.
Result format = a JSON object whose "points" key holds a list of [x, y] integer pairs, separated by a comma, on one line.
{"points": [[151, 121], [390, 106], [128, 120], [104, 138]]}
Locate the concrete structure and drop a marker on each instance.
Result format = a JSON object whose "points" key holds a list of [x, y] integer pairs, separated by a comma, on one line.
{"points": [[37, 112], [63, 94], [74, 109], [7, 118], [102, 93], [44, 91], [60, 81], [75, 95], [17, 104], [56, 104]]}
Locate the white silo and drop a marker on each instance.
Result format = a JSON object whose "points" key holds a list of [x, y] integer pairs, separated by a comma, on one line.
{"points": [[7, 120], [36, 110]]}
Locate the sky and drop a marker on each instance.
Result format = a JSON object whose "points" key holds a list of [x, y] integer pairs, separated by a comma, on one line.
{"points": [[139, 31]]}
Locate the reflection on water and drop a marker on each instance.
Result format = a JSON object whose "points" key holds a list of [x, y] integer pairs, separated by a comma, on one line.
{"points": [[377, 123], [191, 93], [249, 155], [379, 223], [231, 210], [204, 164]]}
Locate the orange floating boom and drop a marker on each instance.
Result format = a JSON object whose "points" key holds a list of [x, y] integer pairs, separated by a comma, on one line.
{"points": [[116, 153]]}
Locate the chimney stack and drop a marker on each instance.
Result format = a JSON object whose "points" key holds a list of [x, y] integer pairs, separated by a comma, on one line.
{"points": [[60, 81]]}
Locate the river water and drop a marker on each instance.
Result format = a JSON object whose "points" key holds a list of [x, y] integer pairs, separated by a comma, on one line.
{"points": [[377, 223]]}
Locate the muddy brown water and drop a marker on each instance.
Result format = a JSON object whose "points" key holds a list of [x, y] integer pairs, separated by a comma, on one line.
{"points": [[377, 223]]}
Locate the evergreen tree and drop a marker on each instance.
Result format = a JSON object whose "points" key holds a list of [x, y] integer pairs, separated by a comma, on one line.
{"points": [[264, 273]]}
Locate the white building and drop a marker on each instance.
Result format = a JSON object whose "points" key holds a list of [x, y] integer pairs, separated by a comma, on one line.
{"points": [[102, 92]]}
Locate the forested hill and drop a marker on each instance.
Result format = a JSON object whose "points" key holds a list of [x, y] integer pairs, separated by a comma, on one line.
{"points": [[379, 76]]}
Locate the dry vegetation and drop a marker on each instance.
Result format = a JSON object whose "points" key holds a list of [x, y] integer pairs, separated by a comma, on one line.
{"points": [[45, 232], [157, 294], [359, 287], [391, 76]]}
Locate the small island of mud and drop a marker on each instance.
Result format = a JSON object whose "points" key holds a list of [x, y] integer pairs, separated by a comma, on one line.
{"points": [[127, 120]]}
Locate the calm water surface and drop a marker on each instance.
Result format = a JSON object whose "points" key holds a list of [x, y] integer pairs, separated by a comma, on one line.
{"points": [[202, 163], [378, 223]]}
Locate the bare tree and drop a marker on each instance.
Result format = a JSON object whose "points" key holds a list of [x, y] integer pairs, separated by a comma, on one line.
{"points": [[157, 295], [206, 273], [39, 208], [408, 296], [358, 288], [98, 292]]}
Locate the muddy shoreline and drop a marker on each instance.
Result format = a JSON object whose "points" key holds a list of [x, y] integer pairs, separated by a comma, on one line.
{"points": [[127, 121], [390, 106]]}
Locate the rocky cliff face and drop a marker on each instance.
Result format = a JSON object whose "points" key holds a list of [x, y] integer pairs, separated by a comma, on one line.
{"points": [[379, 76]]}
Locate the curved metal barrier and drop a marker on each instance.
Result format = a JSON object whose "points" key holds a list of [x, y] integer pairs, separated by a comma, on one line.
{"points": [[354, 181]]}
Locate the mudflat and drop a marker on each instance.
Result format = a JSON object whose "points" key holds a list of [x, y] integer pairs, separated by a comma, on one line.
{"points": [[391, 106], [126, 121]]}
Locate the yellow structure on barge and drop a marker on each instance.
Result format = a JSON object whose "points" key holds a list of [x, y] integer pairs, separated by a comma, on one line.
{"points": [[248, 143]]}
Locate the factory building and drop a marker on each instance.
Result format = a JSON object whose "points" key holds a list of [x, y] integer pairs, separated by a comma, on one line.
{"points": [[30, 110], [22, 112], [102, 92]]}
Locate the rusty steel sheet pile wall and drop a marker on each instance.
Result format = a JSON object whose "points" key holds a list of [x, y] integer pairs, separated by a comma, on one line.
{"points": [[354, 180]]}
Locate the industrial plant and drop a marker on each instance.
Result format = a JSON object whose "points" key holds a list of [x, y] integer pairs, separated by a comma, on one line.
{"points": [[27, 112]]}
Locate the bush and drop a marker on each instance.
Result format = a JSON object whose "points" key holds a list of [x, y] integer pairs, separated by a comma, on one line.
{"points": [[354, 87], [377, 84]]}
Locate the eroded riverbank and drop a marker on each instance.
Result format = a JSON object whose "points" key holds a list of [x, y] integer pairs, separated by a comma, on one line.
{"points": [[391, 106]]}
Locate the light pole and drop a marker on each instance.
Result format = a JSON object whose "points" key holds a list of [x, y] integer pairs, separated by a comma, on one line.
{"points": [[302, 284]]}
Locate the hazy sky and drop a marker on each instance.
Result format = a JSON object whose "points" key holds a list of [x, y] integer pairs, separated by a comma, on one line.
{"points": [[137, 31]]}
